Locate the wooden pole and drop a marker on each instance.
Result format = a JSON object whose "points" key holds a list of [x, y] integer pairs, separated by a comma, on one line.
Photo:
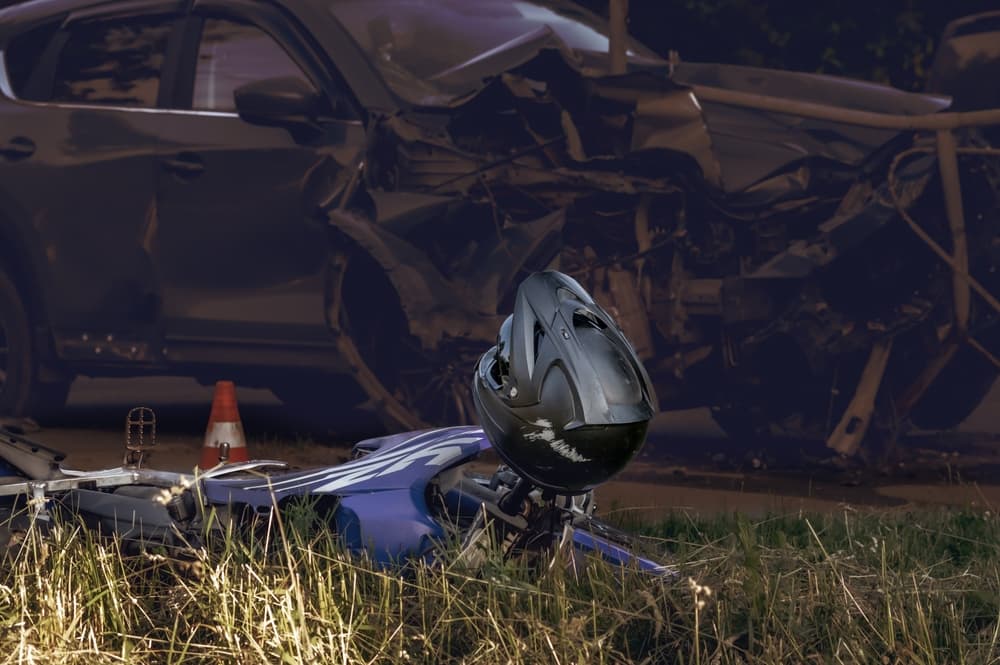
{"points": [[618, 38]]}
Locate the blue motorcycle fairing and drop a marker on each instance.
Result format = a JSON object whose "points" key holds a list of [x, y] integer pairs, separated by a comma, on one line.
{"points": [[368, 446], [382, 508]]}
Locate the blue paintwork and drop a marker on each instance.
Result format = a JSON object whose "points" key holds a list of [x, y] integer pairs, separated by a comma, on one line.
{"points": [[371, 445], [611, 552], [382, 510]]}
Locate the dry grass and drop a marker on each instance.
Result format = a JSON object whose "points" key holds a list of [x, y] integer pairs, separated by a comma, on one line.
{"points": [[919, 588]]}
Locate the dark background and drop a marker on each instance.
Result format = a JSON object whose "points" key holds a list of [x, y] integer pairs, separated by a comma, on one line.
{"points": [[889, 41]]}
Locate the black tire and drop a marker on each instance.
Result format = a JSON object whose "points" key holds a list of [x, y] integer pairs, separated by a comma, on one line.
{"points": [[956, 393], [412, 388], [22, 392]]}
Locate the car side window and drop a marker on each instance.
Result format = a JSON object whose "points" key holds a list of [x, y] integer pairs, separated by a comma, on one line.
{"points": [[232, 54], [22, 54], [116, 62]]}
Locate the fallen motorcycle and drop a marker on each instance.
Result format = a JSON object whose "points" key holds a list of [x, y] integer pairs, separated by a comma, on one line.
{"points": [[563, 399], [398, 499]]}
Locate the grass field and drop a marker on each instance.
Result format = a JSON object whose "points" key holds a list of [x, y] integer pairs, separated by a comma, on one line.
{"points": [[920, 587]]}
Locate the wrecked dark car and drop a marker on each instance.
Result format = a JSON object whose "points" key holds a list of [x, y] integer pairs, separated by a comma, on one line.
{"points": [[335, 198]]}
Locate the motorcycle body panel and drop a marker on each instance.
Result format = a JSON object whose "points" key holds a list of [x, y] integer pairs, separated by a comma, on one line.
{"points": [[381, 497]]}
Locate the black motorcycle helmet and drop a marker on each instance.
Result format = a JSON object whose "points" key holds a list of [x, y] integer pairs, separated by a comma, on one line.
{"points": [[562, 397]]}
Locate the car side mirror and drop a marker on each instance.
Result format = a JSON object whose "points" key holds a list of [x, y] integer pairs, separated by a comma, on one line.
{"points": [[281, 101]]}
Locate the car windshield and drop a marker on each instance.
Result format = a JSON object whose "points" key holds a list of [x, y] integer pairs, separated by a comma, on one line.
{"points": [[413, 42]]}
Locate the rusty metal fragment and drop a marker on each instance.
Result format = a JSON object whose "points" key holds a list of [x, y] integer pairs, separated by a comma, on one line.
{"points": [[853, 426]]}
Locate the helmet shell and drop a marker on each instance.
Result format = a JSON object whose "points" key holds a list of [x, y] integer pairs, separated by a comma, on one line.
{"points": [[563, 397]]}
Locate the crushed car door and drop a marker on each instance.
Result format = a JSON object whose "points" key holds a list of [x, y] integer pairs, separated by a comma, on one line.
{"points": [[241, 250]]}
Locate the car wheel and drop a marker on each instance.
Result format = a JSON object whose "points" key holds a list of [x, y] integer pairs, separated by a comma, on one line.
{"points": [[22, 393], [956, 393], [409, 387]]}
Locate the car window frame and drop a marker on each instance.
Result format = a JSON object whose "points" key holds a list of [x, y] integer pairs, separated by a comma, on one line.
{"points": [[295, 40], [188, 72], [39, 88]]}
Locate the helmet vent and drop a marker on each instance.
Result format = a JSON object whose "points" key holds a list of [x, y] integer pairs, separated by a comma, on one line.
{"points": [[498, 371], [583, 318], [539, 336]]}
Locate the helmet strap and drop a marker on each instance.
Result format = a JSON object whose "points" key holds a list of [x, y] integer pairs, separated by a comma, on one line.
{"points": [[513, 501]]}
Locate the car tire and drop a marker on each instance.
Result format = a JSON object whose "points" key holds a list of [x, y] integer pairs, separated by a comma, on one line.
{"points": [[956, 393], [22, 392], [410, 387]]}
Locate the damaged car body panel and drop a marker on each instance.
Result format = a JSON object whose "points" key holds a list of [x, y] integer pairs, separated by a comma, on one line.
{"points": [[364, 198], [636, 143], [752, 144]]}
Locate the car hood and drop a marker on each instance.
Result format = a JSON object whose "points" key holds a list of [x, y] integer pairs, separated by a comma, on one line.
{"points": [[756, 156], [751, 144]]}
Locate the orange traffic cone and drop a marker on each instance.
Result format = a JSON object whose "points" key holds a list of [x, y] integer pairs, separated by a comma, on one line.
{"points": [[224, 440]]}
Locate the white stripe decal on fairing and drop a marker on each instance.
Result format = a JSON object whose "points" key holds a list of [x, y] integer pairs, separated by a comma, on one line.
{"points": [[440, 454], [390, 453], [383, 464]]}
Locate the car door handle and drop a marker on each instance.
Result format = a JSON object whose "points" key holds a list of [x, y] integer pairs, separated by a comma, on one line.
{"points": [[185, 164], [19, 147]]}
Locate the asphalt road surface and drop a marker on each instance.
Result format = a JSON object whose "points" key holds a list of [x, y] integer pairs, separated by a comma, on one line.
{"points": [[687, 463]]}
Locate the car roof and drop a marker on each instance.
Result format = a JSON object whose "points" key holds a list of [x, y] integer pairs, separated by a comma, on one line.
{"points": [[16, 16], [23, 15]]}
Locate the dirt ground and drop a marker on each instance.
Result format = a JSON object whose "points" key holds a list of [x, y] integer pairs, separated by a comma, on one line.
{"points": [[686, 464]]}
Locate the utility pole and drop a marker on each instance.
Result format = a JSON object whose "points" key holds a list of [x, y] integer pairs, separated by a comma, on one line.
{"points": [[617, 42]]}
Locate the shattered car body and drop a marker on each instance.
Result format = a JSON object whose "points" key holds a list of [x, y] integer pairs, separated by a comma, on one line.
{"points": [[756, 259]]}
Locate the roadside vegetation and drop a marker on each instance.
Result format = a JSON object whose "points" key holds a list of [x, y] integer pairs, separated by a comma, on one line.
{"points": [[921, 587], [892, 43]]}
